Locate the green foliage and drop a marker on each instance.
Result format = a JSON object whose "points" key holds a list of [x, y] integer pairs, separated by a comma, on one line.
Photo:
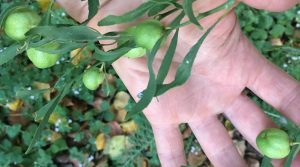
{"points": [[84, 119]]}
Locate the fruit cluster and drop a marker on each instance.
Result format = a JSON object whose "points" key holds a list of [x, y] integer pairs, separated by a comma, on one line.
{"points": [[21, 20]]}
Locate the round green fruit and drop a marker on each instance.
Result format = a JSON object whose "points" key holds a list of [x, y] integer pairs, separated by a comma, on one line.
{"points": [[136, 52], [43, 59], [274, 143], [92, 78], [19, 22], [147, 33]]}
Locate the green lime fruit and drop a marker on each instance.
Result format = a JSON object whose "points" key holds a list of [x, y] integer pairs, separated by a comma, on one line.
{"points": [[274, 143], [19, 22], [136, 52], [92, 78], [43, 59], [147, 33]]}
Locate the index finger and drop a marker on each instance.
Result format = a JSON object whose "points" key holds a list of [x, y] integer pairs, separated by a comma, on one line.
{"points": [[275, 87]]}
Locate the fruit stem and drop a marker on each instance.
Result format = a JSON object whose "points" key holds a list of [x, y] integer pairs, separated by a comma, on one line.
{"points": [[227, 5], [294, 143]]}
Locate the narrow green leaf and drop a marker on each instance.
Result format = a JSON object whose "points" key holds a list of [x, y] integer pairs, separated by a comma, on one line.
{"points": [[26, 93], [149, 92], [168, 58], [167, 61], [156, 9], [184, 70], [93, 8], [127, 17], [46, 20], [188, 9], [6, 54], [281, 121], [112, 55], [294, 151], [266, 162], [170, 2], [63, 48], [167, 13], [45, 112], [63, 33]]}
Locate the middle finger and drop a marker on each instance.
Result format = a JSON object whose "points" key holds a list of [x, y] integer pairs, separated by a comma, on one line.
{"points": [[216, 143]]}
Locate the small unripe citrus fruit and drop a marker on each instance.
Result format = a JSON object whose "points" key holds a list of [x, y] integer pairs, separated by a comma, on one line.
{"points": [[19, 22], [43, 59], [136, 52], [147, 33], [274, 143], [92, 78]]}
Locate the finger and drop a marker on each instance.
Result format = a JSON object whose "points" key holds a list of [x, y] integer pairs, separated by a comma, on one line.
{"points": [[216, 143], [276, 87], [169, 143], [248, 118], [272, 5], [77, 9]]}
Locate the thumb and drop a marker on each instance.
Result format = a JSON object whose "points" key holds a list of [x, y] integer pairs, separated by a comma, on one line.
{"points": [[77, 9], [272, 5]]}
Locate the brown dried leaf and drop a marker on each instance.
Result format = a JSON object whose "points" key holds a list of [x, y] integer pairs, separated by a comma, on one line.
{"points": [[276, 42], [196, 158], [41, 85], [78, 54], [241, 147], [187, 133], [115, 128], [120, 115]]}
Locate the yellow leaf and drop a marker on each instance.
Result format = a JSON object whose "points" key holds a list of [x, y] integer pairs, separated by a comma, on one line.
{"points": [[15, 105], [79, 54], [100, 141], [45, 3], [41, 85], [129, 127], [120, 116], [54, 136], [121, 100], [56, 118]]}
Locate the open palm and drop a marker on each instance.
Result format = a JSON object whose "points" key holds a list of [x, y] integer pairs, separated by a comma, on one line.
{"points": [[226, 64]]}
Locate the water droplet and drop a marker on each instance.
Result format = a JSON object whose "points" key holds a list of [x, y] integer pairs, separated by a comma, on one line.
{"points": [[90, 158], [140, 95], [76, 92], [187, 62]]}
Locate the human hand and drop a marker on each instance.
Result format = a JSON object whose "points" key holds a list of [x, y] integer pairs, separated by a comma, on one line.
{"points": [[226, 64]]}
